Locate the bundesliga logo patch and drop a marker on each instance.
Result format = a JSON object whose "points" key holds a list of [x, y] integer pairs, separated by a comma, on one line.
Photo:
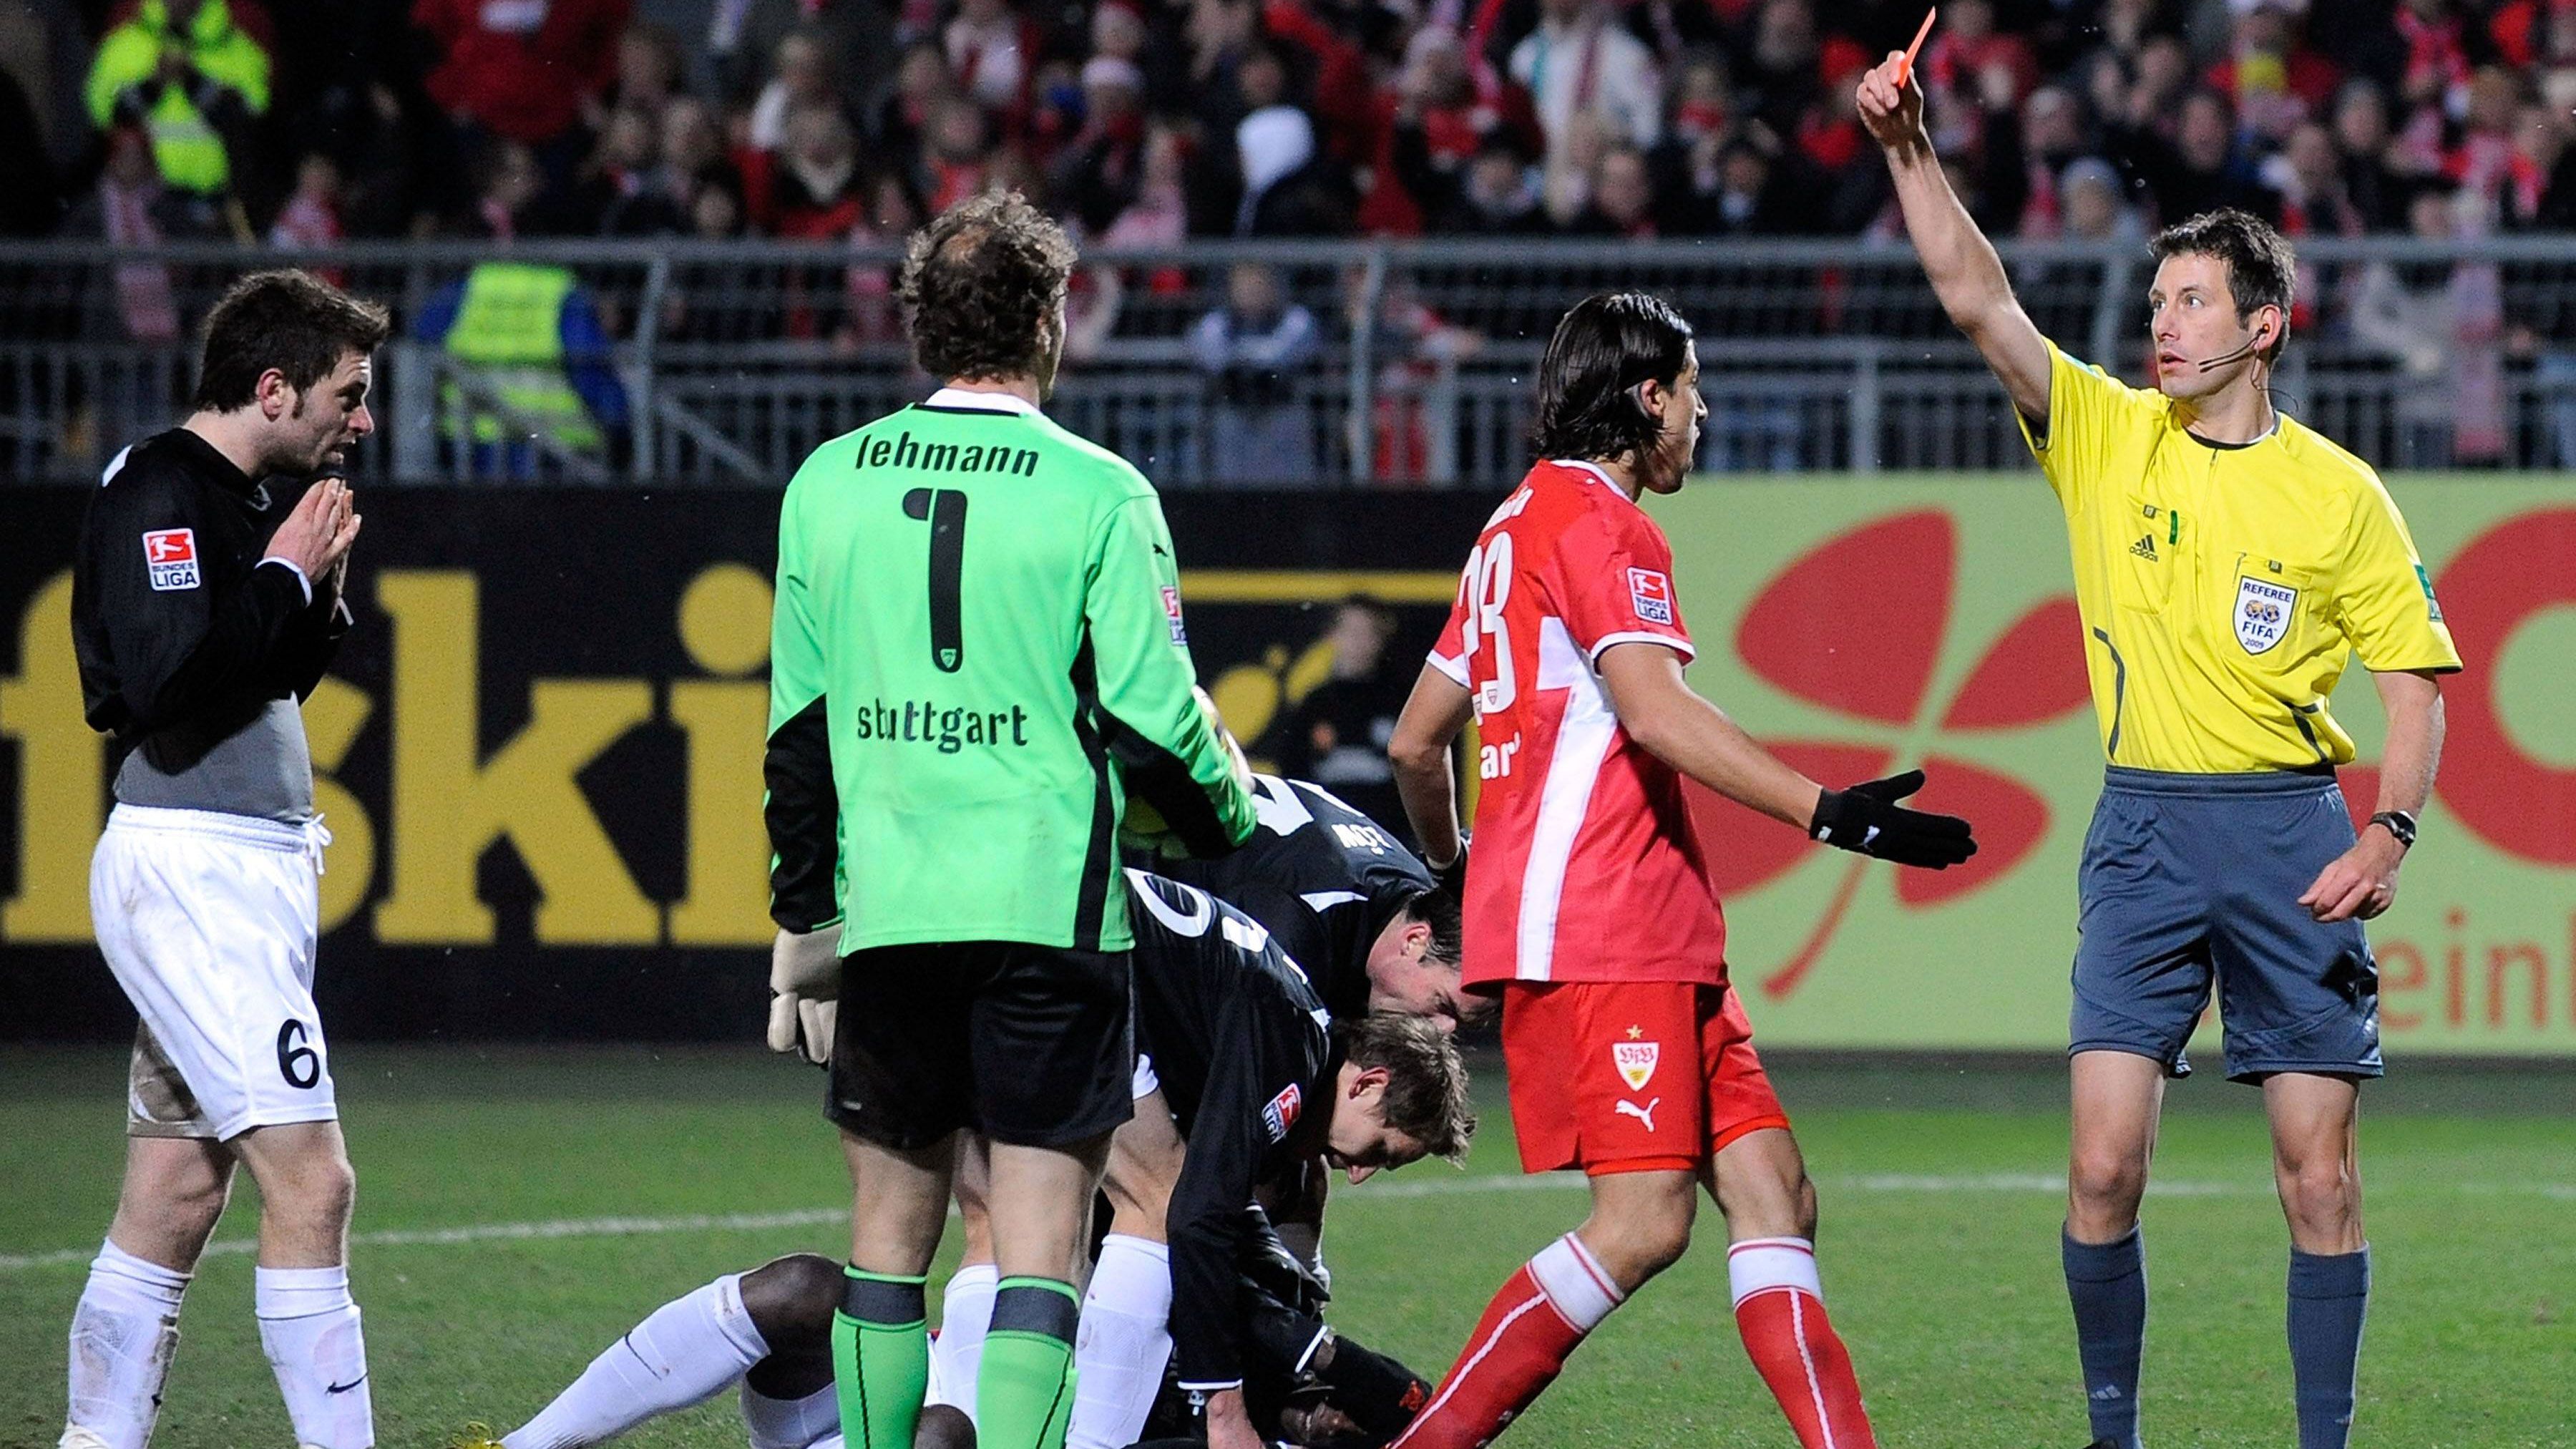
{"points": [[1280, 1112], [1172, 612], [170, 558], [1652, 596]]}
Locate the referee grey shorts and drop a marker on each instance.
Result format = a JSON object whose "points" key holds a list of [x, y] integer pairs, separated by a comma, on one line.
{"points": [[2190, 879]]}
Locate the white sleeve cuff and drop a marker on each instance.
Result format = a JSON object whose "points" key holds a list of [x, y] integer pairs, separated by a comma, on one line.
{"points": [[1456, 669], [290, 566], [1674, 642], [1188, 1386]]}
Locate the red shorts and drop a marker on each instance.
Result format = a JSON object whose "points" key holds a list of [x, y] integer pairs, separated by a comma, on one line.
{"points": [[1631, 1076]]}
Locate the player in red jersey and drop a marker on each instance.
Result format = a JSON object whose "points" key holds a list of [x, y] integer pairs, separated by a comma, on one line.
{"points": [[1587, 907]]}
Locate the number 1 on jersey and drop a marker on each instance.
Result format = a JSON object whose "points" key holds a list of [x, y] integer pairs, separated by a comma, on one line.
{"points": [[945, 510]]}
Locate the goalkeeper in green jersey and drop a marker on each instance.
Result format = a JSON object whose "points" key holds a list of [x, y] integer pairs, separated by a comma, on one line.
{"points": [[977, 658]]}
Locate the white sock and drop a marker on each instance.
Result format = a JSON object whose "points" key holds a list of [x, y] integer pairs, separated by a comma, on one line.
{"points": [[790, 1423], [965, 1312], [123, 1333], [684, 1353], [1124, 1340], [310, 1329]]}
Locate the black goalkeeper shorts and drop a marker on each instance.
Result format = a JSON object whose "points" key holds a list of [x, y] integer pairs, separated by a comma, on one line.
{"points": [[1030, 1045]]}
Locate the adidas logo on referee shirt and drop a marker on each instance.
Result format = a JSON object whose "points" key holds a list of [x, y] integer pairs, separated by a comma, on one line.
{"points": [[2145, 547]]}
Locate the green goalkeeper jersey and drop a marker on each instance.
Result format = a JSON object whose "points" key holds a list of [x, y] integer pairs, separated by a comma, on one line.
{"points": [[976, 656]]}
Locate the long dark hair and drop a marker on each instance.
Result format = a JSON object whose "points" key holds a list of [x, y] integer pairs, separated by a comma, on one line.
{"points": [[1605, 346]]}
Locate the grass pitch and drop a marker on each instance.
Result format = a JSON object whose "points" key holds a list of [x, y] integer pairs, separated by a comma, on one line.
{"points": [[521, 1207]]}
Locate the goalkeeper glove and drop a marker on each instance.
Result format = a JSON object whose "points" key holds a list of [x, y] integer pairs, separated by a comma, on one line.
{"points": [[805, 992], [1866, 818]]}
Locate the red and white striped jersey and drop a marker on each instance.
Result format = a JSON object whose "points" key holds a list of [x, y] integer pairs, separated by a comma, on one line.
{"points": [[1586, 867]]}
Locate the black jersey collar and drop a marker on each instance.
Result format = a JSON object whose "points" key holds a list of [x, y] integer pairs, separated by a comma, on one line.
{"points": [[216, 467]]}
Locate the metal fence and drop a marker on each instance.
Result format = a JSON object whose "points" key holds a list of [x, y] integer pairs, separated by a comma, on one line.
{"points": [[727, 363]]}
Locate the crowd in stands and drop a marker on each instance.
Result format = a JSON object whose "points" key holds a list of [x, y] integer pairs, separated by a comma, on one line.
{"points": [[1147, 121]]}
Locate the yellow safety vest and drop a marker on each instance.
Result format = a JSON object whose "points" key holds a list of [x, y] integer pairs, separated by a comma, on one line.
{"points": [[185, 146], [509, 328]]}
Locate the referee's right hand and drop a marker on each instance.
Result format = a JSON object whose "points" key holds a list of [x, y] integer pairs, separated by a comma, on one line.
{"points": [[1866, 818]]}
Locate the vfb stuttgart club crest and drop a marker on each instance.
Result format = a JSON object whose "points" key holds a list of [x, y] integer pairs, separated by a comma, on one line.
{"points": [[2263, 612], [1635, 1061]]}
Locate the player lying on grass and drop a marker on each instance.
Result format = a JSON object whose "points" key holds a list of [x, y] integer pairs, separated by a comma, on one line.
{"points": [[1237, 1054], [770, 1330], [1588, 909]]}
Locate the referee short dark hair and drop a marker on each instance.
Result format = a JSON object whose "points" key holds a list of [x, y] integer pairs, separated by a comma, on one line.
{"points": [[1604, 347], [1426, 1080], [977, 281], [2261, 272], [289, 320]]}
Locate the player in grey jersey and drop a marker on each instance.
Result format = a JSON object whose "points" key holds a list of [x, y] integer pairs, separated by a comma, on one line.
{"points": [[206, 601]]}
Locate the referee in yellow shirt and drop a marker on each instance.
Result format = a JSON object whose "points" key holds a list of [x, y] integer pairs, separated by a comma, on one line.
{"points": [[2228, 563]]}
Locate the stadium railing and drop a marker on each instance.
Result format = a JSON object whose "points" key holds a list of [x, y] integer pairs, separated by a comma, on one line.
{"points": [[733, 359]]}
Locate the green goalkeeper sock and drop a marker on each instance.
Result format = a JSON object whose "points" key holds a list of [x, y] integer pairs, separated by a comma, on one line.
{"points": [[880, 1358], [1024, 1396]]}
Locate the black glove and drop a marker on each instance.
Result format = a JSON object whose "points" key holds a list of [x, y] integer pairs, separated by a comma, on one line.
{"points": [[1867, 819], [1378, 1393]]}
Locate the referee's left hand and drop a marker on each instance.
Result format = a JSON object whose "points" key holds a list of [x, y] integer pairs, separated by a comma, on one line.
{"points": [[2360, 883]]}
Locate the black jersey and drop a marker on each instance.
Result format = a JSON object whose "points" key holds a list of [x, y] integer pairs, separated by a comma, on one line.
{"points": [[1324, 878], [192, 651], [1243, 1049]]}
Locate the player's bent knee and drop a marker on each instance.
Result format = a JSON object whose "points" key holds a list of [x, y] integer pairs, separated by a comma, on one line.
{"points": [[791, 1301], [2106, 1184]]}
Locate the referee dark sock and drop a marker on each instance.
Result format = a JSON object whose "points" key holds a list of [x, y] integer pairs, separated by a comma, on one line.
{"points": [[880, 1358], [2107, 1284], [2329, 1297]]}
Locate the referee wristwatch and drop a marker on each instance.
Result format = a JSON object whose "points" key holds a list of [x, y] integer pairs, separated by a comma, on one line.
{"points": [[2398, 823]]}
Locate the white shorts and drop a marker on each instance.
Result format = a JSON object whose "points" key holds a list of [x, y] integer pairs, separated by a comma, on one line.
{"points": [[209, 922]]}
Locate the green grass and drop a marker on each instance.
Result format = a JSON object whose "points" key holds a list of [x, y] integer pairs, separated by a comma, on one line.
{"points": [[1939, 1250]]}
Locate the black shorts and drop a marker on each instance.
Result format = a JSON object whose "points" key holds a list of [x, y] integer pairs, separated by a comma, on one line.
{"points": [[1030, 1045]]}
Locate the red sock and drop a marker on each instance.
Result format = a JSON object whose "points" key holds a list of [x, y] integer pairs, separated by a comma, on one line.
{"points": [[1780, 1310], [1518, 1348]]}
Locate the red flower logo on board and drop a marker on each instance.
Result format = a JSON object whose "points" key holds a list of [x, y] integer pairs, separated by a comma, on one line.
{"points": [[1856, 625]]}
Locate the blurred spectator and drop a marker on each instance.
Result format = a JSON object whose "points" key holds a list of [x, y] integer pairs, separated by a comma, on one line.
{"points": [[621, 192], [192, 75], [2273, 78], [528, 339], [648, 75], [800, 75], [693, 157], [2444, 324], [1579, 61], [815, 191], [855, 41], [956, 160], [1416, 351], [1101, 171], [1781, 78], [2309, 175], [1290, 188], [2376, 191], [2488, 159], [133, 207], [2052, 137], [993, 52], [1491, 194], [2092, 205], [507, 185], [899, 120], [524, 69], [1622, 198], [1336, 736], [311, 216], [1254, 351], [2201, 168]]}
